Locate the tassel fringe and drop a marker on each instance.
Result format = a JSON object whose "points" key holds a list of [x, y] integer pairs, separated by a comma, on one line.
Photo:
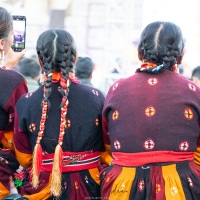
{"points": [[37, 163], [56, 186]]}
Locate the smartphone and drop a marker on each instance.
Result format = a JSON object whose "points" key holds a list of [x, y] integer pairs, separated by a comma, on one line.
{"points": [[19, 29]]}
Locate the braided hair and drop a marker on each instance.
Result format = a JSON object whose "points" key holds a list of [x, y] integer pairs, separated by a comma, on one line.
{"points": [[57, 53], [161, 43]]}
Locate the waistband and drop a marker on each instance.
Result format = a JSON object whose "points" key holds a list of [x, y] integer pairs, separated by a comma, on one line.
{"points": [[73, 161], [145, 158]]}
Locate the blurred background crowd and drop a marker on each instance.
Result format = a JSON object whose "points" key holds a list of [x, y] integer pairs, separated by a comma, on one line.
{"points": [[108, 31]]}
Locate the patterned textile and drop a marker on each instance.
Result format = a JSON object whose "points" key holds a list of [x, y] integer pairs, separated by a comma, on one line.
{"points": [[178, 181], [8, 165], [12, 87], [83, 133], [155, 119]]}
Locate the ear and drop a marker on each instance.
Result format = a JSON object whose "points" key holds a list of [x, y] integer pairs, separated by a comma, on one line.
{"points": [[140, 56], [2, 44], [40, 62], [90, 76], [76, 59], [179, 59]]}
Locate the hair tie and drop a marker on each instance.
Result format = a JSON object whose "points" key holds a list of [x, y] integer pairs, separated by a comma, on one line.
{"points": [[157, 69]]}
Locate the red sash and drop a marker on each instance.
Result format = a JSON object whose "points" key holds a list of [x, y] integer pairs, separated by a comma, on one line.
{"points": [[145, 158], [73, 161]]}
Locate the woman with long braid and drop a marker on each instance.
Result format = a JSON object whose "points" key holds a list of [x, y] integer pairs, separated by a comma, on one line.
{"points": [[12, 87], [58, 135], [152, 118]]}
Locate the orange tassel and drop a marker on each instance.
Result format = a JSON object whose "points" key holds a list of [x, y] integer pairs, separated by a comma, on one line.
{"points": [[37, 163], [57, 172]]}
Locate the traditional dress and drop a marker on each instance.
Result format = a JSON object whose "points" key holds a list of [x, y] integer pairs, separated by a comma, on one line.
{"points": [[82, 141], [12, 87], [151, 126]]}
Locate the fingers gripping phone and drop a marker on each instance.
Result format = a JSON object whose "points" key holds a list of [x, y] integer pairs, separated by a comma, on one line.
{"points": [[19, 29]]}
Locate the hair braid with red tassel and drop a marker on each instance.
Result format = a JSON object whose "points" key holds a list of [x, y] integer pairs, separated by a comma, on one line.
{"points": [[58, 55], [37, 153]]}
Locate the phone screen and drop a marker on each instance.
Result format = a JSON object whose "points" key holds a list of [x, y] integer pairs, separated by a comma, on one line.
{"points": [[19, 29]]}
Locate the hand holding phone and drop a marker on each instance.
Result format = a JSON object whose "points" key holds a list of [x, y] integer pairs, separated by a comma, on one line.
{"points": [[19, 29], [12, 58]]}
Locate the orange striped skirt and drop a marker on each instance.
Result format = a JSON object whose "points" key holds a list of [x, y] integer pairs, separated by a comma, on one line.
{"points": [[166, 181]]}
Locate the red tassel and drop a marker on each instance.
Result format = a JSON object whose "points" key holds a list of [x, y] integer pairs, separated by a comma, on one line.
{"points": [[37, 164]]}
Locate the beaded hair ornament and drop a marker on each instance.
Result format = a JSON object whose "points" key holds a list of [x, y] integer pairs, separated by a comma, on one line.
{"points": [[153, 68], [58, 155]]}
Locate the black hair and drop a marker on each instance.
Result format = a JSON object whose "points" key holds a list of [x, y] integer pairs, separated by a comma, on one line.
{"points": [[161, 43], [196, 72], [6, 23], [29, 67], [84, 67], [57, 53]]}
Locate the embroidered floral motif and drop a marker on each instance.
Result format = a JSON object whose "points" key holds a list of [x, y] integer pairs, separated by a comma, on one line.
{"points": [[117, 145], [68, 123], [184, 146], [192, 87], [97, 122], [11, 117], [95, 92], [32, 127], [152, 81], [149, 144], [76, 185], [115, 115], [141, 185], [150, 111], [188, 113], [174, 190], [158, 188], [190, 182]]}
